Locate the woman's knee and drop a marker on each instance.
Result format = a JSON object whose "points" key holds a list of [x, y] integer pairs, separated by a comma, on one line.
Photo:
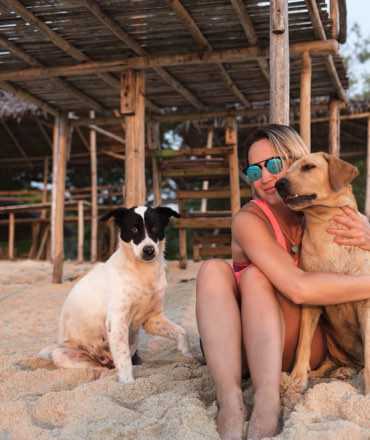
{"points": [[214, 273], [252, 278]]}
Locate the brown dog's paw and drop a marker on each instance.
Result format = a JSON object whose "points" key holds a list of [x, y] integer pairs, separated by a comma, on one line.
{"points": [[343, 373]]}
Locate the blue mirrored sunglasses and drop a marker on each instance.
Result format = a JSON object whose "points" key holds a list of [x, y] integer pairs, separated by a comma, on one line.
{"points": [[254, 171]]}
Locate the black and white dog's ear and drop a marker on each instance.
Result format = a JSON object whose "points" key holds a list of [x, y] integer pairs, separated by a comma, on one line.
{"points": [[167, 212], [118, 215]]}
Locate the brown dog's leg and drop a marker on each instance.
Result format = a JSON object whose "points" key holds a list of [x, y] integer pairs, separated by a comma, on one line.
{"points": [[159, 325], [309, 320], [364, 318]]}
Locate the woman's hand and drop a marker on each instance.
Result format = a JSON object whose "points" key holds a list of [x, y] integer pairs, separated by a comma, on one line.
{"points": [[350, 229]]}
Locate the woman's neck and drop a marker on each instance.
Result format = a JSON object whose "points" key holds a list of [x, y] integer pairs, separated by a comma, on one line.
{"points": [[286, 214]]}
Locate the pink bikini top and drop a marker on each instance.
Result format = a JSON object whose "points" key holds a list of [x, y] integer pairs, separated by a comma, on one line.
{"points": [[275, 226]]}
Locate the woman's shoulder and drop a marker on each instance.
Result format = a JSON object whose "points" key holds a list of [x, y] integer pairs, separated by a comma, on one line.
{"points": [[249, 214]]}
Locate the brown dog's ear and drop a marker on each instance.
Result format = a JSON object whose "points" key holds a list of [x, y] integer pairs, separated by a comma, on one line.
{"points": [[341, 173]]}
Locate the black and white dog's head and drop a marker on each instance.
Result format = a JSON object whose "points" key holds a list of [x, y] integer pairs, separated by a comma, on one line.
{"points": [[142, 228]]}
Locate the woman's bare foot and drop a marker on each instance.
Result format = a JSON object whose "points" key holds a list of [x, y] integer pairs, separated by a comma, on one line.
{"points": [[264, 421], [231, 416]]}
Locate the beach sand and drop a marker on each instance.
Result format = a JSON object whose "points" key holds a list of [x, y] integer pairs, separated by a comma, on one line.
{"points": [[172, 397]]}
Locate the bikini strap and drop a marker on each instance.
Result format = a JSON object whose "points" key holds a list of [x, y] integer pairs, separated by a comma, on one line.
{"points": [[274, 223]]}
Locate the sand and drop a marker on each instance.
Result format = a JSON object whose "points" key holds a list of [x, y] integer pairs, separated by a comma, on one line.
{"points": [[172, 397]]}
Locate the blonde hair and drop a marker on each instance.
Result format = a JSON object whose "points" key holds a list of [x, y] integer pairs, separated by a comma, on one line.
{"points": [[287, 143]]}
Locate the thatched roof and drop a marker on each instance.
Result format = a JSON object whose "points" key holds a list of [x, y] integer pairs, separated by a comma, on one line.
{"points": [[12, 107], [55, 34]]}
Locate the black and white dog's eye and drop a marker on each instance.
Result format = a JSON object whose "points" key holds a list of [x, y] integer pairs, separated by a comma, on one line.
{"points": [[134, 230], [154, 229]]}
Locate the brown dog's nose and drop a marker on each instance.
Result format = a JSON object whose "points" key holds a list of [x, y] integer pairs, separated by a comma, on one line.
{"points": [[283, 187]]}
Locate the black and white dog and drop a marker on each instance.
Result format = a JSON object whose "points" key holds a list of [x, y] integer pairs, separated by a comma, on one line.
{"points": [[104, 311]]}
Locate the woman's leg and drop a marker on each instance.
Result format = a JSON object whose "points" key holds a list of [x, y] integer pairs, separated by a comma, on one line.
{"points": [[263, 331], [270, 332], [218, 316]]}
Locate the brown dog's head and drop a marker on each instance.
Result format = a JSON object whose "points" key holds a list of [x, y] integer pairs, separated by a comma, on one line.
{"points": [[313, 179]]}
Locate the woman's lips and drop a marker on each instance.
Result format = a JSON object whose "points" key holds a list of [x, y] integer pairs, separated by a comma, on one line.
{"points": [[270, 190]]}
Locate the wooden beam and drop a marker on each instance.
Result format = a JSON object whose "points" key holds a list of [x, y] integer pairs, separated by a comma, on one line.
{"points": [[305, 100], [154, 145], [247, 24], [11, 236], [279, 62], [94, 194], [24, 95], [60, 149], [123, 36], [81, 232], [15, 142], [320, 34], [63, 44], [204, 44], [334, 127], [231, 139], [152, 61], [44, 133], [74, 91], [334, 15], [135, 192]]}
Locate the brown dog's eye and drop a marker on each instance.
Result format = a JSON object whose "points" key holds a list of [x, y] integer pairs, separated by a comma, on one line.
{"points": [[308, 167]]}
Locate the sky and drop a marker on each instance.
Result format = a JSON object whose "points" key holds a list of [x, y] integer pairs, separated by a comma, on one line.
{"points": [[359, 10]]}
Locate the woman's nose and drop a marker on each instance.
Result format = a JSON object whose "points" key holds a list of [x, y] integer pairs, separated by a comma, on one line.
{"points": [[266, 175]]}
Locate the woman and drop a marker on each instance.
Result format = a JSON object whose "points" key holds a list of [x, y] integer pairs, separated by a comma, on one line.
{"points": [[255, 307]]}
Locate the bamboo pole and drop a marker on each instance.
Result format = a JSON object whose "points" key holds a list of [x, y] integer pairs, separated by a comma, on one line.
{"points": [[11, 236], [367, 199], [231, 138], [305, 100], [334, 15], [334, 127], [133, 103], [205, 183], [94, 195], [183, 260], [81, 232], [60, 149], [154, 145], [279, 62]]}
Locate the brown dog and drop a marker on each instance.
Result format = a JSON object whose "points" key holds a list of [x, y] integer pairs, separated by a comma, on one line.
{"points": [[319, 185]]}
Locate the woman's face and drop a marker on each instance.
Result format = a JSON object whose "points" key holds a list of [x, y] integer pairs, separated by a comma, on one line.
{"points": [[265, 186]]}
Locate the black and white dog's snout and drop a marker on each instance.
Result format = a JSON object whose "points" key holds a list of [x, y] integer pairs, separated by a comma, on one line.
{"points": [[148, 252]]}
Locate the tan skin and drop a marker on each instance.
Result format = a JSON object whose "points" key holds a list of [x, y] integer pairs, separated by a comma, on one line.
{"points": [[260, 316]]}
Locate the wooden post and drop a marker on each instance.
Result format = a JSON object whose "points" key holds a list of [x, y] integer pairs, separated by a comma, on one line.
{"points": [[231, 139], [61, 138], [81, 232], [205, 184], [11, 236], [367, 200], [154, 145], [305, 100], [183, 261], [334, 15], [133, 105], [279, 62], [94, 195], [334, 127]]}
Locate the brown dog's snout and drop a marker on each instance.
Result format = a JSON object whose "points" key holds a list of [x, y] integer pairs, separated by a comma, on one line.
{"points": [[283, 187]]}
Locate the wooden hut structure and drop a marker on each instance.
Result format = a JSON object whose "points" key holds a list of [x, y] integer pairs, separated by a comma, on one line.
{"points": [[134, 65]]}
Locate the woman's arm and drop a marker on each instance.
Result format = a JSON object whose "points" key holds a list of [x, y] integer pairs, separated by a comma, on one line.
{"points": [[351, 229], [300, 287]]}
